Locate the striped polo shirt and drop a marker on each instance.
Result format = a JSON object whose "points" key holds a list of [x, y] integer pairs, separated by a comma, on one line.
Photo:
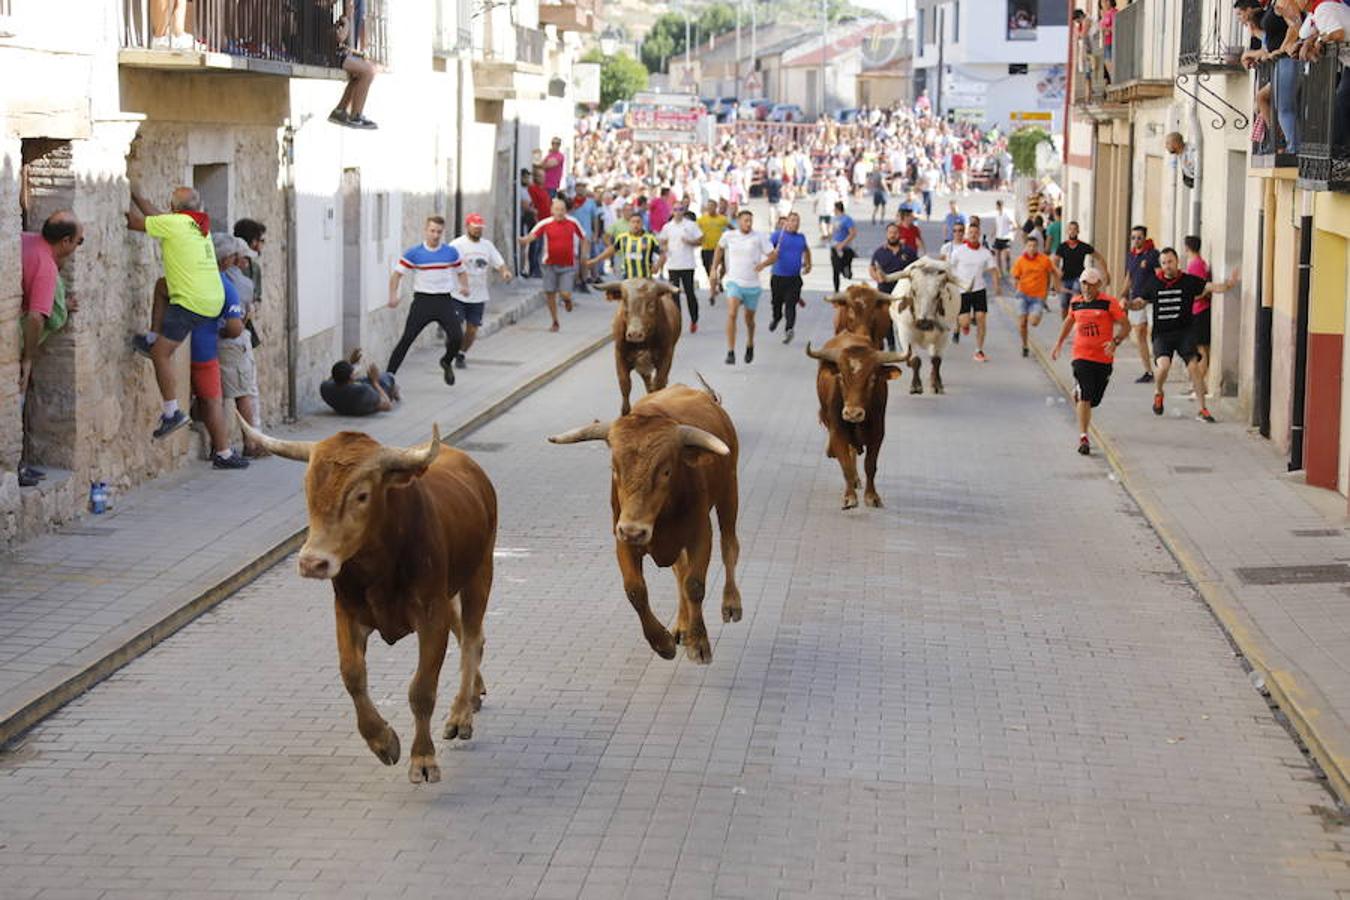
{"points": [[433, 271], [637, 252]]}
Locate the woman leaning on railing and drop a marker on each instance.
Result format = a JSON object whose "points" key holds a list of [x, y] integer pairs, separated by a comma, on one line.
{"points": [[1274, 31], [1324, 30]]}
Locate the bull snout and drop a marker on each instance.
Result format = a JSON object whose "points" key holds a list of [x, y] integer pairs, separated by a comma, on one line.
{"points": [[854, 414], [317, 564], [633, 533], [925, 324], [635, 337]]}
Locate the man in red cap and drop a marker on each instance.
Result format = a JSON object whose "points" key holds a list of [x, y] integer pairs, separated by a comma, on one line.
{"points": [[478, 255]]}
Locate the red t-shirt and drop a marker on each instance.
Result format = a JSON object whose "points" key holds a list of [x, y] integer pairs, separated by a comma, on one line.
{"points": [[559, 236], [958, 162], [39, 274], [542, 202], [909, 236], [1094, 327]]}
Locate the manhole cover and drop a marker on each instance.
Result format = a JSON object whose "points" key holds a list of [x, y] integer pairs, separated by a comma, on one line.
{"points": [[1317, 532], [479, 446], [1192, 470], [1281, 575]]}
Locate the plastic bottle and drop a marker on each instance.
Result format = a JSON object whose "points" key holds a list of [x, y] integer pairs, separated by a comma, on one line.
{"points": [[98, 497]]}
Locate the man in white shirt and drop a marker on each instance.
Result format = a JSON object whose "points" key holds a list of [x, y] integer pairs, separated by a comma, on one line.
{"points": [[477, 255], [741, 255], [969, 263], [825, 201], [1003, 225], [680, 239]]}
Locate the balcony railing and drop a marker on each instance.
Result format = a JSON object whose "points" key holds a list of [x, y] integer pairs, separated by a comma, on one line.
{"points": [[1323, 154], [1128, 44], [1089, 77], [1212, 37], [1141, 69], [530, 44], [1267, 153], [284, 31]]}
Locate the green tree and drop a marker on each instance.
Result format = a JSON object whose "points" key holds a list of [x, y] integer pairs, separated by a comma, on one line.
{"points": [[664, 40], [621, 76], [1022, 144], [719, 18]]}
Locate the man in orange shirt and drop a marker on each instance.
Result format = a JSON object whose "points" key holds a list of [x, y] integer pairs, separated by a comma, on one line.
{"points": [[1032, 272], [1100, 325]]}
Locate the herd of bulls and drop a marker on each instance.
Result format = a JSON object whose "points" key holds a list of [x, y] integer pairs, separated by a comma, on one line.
{"points": [[407, 535]]}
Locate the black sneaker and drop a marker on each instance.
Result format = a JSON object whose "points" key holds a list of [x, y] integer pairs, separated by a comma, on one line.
{"points": [[787, 336], [731, 357], [956, 337], [1084, 448], [32, 472], [26, 479], [750, 354], [1025, 352], [141, 345], [338, 117], [169, 424], [361, 122], [459, 360], [448, 370], [773, 323], [1146, 378], [233, 461]]}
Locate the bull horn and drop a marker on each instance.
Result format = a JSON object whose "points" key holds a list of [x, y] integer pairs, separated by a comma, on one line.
{"points": [[610, 287], [296, 450], [596, 431], [400, 459], [891, 358], [837, 298], [697, 437], [829, 356]]}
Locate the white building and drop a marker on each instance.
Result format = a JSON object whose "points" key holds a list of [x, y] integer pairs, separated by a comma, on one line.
{"points": [[993, 62]]}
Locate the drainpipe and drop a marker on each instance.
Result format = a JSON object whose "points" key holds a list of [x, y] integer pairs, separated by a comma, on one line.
{"points": [[1198, 146], [1265, 250], [292, 273], [1301, 337]]}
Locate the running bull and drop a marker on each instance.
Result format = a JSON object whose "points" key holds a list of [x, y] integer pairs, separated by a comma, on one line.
{"points": [[646, 326]]}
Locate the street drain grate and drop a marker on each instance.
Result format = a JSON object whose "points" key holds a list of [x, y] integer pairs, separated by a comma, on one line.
{"points": [[1286, 575], [1317, 532], [1192, 470], [480, 446]]}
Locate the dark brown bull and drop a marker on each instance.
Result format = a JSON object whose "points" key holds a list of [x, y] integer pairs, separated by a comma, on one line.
{"points": [[851, 385], [862, 310], [646, 326], [406, 537], [674, 459]]}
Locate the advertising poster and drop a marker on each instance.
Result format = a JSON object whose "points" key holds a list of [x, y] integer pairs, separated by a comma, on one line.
{"points": [[1022, 19]]}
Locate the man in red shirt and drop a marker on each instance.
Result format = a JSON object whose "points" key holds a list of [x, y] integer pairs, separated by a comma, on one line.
{"points": [[959, 170], [561, 233], [909, 234], [1100, 325]]}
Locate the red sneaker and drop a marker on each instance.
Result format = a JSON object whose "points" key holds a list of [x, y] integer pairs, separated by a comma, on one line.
{"points": [[980, 357], [1157, 404], [693, 328]]}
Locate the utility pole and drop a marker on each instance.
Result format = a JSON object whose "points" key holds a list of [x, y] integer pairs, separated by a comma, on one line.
{"points": [[737, 89], [824, 43], [942, 46], [754, 48]]}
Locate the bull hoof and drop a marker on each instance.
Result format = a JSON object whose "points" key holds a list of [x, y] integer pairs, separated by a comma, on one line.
{"points": [[424, 770], [916, 389], [478, 702], [850, 500], [731, 609], [386, 747], [698, 649], [460, 723], [677, 634], [873, 499], [663, 644], [938, 388]]}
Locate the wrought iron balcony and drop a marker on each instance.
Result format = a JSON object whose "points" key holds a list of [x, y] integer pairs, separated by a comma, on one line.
{"points": [[1138, 71], [1089, 76], [1323, 149], [1212, 37], [1267, 153], [281, 32]]}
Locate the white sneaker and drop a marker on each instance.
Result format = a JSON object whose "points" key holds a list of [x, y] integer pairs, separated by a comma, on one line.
{"points": [[162, 42], [183, 41]]}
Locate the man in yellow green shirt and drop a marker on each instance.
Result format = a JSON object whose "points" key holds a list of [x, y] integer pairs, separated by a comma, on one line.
{"points": [[712, 224], [196, 295]]}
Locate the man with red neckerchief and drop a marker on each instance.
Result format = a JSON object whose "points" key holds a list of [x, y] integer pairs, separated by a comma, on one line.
{"points": [[969, 263], [1173, 294], [1071, 257], [1100, 325]]}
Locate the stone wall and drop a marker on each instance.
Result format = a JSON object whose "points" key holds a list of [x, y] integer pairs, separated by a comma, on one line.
{"points": [[11, 430]]}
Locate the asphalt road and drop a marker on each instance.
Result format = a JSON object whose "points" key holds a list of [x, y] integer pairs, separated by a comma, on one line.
{"points": [[997, 686]]}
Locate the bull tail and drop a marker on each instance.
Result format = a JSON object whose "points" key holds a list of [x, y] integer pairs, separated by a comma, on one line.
{"points": [[708, 388]]}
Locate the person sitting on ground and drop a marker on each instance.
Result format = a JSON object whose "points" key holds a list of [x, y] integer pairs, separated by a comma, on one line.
{"points": [[351, 56], [348, 396]]}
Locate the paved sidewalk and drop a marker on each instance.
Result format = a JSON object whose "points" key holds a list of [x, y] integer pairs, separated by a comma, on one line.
{"points": [[77, 604], [1222, 502]]}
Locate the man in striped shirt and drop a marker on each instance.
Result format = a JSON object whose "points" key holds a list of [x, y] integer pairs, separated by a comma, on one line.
{"points": [[638, 251], [434, 267]]}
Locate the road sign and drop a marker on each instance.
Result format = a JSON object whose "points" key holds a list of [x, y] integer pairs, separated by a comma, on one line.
{"points": [[651, 98], [666, 118], [753, 83], [1038, 116], [586, 82]]}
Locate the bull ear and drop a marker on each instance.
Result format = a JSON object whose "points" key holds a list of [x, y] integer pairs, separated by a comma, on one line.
{"points": [[596, 431], [892, 373], [297, 450]]}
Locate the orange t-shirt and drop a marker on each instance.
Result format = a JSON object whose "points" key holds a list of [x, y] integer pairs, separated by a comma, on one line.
{"points": [[1033, 274], [1094, 327]]}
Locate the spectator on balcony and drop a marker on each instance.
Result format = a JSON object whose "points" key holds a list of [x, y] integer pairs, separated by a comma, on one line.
{"points": [[168, 26], [351, 55], [1106, 22], [554, 165], [1273, 41], [1328, 23], [1184, 156]]}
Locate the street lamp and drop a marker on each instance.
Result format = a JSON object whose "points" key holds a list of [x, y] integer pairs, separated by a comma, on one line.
{"points": [[609, 41]]}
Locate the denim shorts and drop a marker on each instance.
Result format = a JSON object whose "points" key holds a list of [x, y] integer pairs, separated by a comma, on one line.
{"points": [[469, 313], [749, 296], [179, 321], [1030, 306]]}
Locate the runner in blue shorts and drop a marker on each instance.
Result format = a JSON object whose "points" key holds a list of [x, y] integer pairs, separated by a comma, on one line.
{"points": [[741, 255]]}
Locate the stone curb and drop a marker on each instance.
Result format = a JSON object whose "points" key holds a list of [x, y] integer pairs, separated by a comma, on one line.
{"points": [[15, 721], [1327, 739]]}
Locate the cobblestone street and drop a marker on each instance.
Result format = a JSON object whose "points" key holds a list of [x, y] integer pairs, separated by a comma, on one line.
{"points": [[1000, 685]]}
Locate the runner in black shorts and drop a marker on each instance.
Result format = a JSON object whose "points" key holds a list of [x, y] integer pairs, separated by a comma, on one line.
{"points": [[970, 262], [1071, 257], [1099, 324]]}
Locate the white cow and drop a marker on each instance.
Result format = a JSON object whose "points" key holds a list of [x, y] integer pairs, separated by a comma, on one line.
{"points": [[928, 297]]}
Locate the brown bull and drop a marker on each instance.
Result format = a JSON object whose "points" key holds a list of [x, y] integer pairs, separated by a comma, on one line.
{"points": [[674, 459], [862, 310], [646, 326], [406, 537], [851, 385]]}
